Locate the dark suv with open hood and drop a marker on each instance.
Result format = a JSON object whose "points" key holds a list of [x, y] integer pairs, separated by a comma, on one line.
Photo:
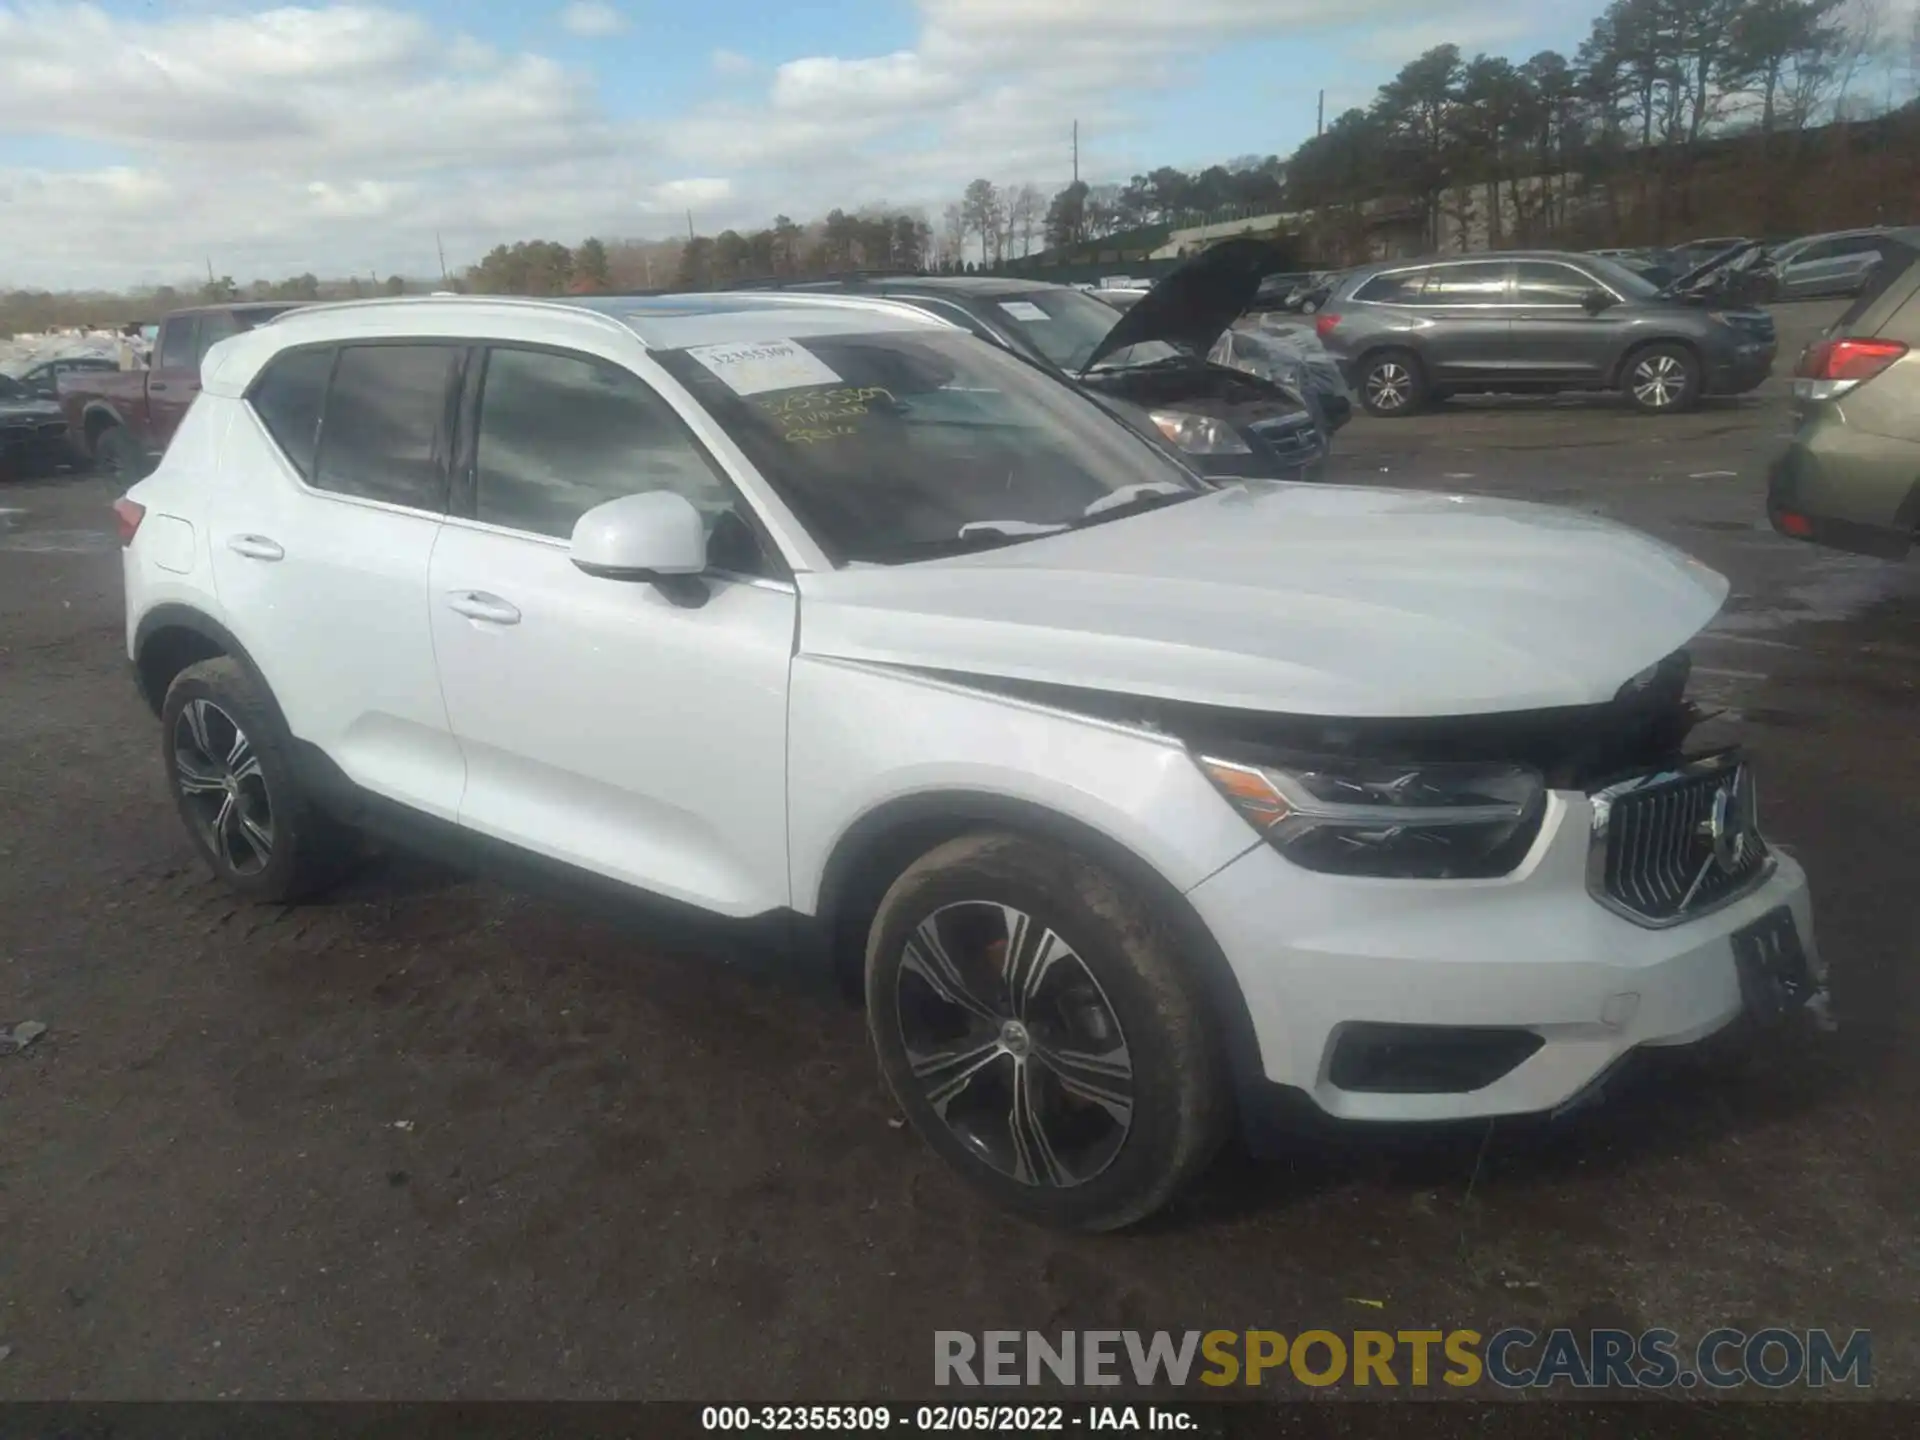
{"points": [[1414, 331], [1148, 364]]}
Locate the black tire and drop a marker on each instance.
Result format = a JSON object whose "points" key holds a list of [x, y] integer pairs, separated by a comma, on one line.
{"points": [[117, 453], [1111, 997], [1392, 384], [1661, 379], [228, 765]]}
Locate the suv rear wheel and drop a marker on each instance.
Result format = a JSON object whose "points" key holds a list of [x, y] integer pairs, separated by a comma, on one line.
{"points": [[1392, 383], [1033, 1018], [1662, 379], [228, 765]]}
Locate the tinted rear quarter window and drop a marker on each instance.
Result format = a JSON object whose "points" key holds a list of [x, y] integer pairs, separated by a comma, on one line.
{"points": [[385, 433], [215, 326], [288, 396]]}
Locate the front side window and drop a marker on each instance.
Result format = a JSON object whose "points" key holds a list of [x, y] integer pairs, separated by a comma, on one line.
{"points": [[384, 436], [1482, 283], [1537, 282], [906, 445], [560, 434], [288, 398]]}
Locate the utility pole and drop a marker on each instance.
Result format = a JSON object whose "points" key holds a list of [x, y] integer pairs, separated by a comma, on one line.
{"points": [[1076, 152], [690, 234], [209, 272], [437, 245], [1320, 118]]}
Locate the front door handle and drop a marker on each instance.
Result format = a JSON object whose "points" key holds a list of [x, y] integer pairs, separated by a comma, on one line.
{"points": [[255, 547], [480, 605], [154, 386]]}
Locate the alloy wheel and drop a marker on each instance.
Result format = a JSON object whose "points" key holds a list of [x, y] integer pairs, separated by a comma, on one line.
{"points": [[1659, 381], [1389, 386], [1014, 1044], [223, 787]]}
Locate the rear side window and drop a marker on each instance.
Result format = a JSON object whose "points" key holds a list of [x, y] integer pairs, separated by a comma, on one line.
{"points": [[287, 398], [1402, 287], [177, 341], [1540, 282], [215, 326], [1483, 283], [385, 435]]}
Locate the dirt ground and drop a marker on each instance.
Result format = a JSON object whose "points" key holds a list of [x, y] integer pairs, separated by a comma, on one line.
{"points": [[432, 1139]]}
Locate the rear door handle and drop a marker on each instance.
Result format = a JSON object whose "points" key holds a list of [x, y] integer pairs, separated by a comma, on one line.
{"points": [[480, 605], [255, 547], [153, 385]]}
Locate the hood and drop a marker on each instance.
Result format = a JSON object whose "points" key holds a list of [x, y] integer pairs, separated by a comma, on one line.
{"points": [[1291, 599], [1194, 303], [1716, 262], [27, 406]]}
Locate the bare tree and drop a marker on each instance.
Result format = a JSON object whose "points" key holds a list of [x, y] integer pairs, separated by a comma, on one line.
{"points": [[983, 211], [1026, 210]]}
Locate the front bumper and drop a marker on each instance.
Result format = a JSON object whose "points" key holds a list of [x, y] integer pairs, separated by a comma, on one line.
{"points": [[1741, 368], [1319, 956]]}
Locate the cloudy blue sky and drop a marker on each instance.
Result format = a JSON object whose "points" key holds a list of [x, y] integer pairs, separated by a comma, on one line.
{"points": [[139, 138]]}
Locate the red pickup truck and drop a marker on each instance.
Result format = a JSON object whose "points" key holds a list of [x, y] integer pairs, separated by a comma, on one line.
{"points": [[123, 419]]}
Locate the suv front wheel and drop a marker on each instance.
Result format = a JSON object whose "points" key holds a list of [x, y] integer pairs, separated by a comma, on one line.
{"points": [[1034, 1020]]}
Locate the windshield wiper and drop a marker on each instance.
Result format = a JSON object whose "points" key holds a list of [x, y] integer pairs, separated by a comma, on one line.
{"points": [[1134, 500]]}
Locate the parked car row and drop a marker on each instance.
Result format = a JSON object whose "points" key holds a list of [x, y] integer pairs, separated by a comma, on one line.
{"points": [[1142, 805]]}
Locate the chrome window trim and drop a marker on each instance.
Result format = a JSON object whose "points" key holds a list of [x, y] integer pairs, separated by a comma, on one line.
{"points": [[1602, 801]]}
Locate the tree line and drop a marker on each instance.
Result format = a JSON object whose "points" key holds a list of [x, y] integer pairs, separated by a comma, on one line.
{"points": [[1634, 117]]}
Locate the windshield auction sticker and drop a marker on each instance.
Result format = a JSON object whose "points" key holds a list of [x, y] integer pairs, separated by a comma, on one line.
{"points": [[757, 368], [1024, 310]]}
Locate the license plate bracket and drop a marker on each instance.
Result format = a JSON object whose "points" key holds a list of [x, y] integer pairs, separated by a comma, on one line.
{"points": [[1775, 976]]}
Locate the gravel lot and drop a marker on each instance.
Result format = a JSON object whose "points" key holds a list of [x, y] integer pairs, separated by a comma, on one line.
{"points": [[433, 1139]]}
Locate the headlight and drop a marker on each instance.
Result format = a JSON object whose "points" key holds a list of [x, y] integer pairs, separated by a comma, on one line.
{"points": [[1408, 822], [1200, 434]]}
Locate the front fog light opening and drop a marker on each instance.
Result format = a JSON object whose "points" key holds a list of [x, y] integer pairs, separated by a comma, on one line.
{"points": [[1389, 821], [1381, 1059]]}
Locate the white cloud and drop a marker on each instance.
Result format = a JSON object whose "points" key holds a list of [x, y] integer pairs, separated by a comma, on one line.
{"points": [[1472, 31], [348, 137], [592, 19]]}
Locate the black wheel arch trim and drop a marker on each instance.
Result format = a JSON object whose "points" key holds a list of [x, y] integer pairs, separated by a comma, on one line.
{"points": [[844, 878], [174, 616]]}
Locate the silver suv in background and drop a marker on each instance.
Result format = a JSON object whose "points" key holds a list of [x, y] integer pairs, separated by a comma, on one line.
{"points": [[1836, 264], [1410, 332]]}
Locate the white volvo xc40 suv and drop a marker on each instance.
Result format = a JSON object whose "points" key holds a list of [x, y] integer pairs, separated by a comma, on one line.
{"points": [[1142, 803]]}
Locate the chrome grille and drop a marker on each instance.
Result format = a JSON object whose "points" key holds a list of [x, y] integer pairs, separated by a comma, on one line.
{"points": [[1669, 846]]}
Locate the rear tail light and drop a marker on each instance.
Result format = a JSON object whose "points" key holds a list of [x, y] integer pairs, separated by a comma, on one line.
{"points": [[1323, 325], [1792, 522], [129, 513], [1828, 369]]}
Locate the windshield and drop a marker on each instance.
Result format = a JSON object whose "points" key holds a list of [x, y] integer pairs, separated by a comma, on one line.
{"points": [[1065, 325], [903, 446], [1629, 283]]}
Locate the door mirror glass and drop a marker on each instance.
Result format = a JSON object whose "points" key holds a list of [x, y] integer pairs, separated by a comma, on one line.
{"points": [[1594, 301], [650, 537]]}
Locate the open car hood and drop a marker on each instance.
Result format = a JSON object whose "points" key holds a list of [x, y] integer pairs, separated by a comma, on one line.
{"points": [[1695, 277], [1291, 599], [1192, 305]]}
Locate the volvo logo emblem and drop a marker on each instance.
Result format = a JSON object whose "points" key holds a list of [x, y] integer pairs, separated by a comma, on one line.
{"points": [[1729, 824]]}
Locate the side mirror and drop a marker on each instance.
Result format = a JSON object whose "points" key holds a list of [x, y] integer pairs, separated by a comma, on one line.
{"points": [[656, 538], [1594, 301]]}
